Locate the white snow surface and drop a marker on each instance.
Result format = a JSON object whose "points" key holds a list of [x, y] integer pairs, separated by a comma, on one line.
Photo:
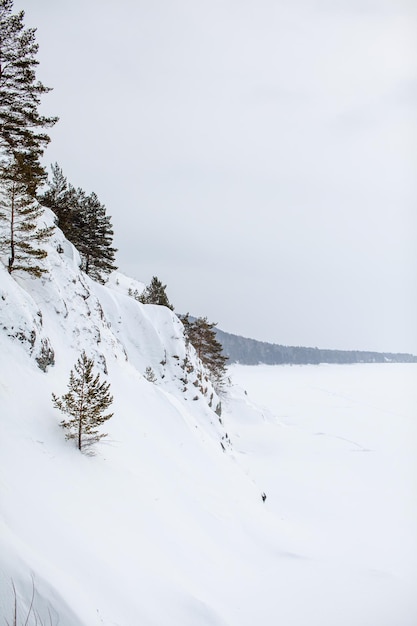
{"points": [[165, 525]]}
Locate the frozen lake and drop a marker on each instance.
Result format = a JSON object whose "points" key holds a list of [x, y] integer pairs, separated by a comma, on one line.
{"points": [[336, 456]]}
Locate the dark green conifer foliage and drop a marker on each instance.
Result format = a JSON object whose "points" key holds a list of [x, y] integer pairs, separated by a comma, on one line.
{"points": [[21, 237], [85, 404], [66, 202], [21, 124], [22, 142], [84, 222], [58, 197], [96, 238], [155, 293], [201, 334]]}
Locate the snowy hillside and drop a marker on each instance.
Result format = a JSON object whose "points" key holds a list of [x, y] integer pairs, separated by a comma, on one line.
{"points": [[165, 525], [122, 537]]}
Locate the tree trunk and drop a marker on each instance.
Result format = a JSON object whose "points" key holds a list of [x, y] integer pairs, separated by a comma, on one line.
{"points": [[79, 433], [80, 420], [12, 244]]}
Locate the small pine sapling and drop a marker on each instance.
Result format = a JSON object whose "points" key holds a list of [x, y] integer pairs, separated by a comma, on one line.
{"points": [[85, 404]]}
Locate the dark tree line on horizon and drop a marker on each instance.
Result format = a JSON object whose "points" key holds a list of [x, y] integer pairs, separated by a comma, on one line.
{"points": [[252, 352]]}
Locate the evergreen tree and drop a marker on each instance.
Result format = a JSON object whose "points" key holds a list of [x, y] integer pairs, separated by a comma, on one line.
{"points": [[21, 124], [67, 203], [58, 197], [21, 237], [85, 404], [84, 222], [96, 238], [22, 142], [155, 293], [201, 334]]}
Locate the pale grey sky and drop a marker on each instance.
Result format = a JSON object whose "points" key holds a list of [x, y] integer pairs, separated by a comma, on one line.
{"points": [[258, 156]]}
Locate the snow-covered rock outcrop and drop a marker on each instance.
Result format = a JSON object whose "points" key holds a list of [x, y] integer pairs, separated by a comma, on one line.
{"points": [[104, 320]]}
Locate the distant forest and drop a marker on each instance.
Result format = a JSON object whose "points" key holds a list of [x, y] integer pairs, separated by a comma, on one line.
{"points": [[252, 352]]}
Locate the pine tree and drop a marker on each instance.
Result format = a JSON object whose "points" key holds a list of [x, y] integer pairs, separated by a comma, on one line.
{"points": [[58, 198], [22, 142], [155, 293], [21, 237], [96, 238], [85, 404], [201, 334], [66, 202], [21, 124], [84, 222]]}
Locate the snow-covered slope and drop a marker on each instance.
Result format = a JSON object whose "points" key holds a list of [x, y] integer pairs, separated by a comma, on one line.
{"points": [[165, 525], [135, 534]]}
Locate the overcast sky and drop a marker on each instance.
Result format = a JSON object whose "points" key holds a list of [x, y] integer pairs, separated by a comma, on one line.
{"points": [[258, 156]]}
